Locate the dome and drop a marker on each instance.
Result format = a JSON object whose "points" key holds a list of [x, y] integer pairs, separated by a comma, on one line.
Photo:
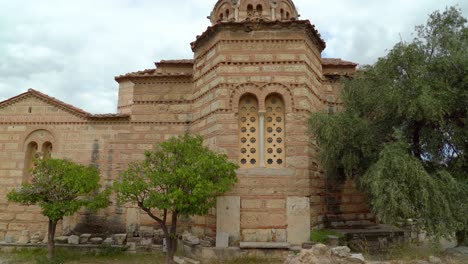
{"points": [[244, 10]]}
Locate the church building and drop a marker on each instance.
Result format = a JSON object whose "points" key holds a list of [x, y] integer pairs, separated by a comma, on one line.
{"points": [[256, 75]]}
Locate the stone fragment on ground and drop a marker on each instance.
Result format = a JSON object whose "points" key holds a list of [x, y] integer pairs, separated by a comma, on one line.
{"points": [[61, 240], [108, 241], [190, 239], [458, 251], [434, 260], [84, 238], [36, 238], [120, 239], [322, 254], [96, 240], [24, 238], [74, 240]]}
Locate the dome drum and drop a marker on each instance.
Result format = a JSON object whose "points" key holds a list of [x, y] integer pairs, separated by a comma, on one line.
{"points": [[245, 10]]}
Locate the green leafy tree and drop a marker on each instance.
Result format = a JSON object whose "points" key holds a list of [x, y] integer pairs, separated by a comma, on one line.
{"points": [[61, 188], [402, 133], [179, 177]]}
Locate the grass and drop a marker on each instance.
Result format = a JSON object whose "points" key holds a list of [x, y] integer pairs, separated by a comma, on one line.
{"points": [[111, 255], [321, 235]]}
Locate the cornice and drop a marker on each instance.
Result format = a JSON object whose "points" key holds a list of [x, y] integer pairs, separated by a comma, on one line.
{"points": [[248, 26]]}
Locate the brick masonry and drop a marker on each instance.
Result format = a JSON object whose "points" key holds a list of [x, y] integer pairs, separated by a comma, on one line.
{"points": [[232, 58]]}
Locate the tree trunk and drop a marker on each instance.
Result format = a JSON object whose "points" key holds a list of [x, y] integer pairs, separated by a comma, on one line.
{"points": [[50, 239], [172, 240]]}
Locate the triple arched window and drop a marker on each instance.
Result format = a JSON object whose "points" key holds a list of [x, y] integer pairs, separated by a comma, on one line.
{"points": [[261, 134]]}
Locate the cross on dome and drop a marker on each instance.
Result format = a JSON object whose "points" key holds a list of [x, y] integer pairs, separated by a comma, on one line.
{"points": [[245, 10]]}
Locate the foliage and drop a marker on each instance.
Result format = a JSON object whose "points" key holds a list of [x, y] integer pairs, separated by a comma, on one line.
{"points": [[402, 133], [180, 177], [321, 235], [61, 188]]}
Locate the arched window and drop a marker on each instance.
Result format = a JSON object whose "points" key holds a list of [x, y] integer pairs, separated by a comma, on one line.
{"points": [[282, 14], [227, 14], [287, 15], [221, 17], [259, 10], [46, 150], [31, 154], [262, 135], [250, 10], [274, 131], [248, 132]]}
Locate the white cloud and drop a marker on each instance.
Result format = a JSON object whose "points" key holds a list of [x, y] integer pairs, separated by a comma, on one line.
{"points": [[73, 49]]}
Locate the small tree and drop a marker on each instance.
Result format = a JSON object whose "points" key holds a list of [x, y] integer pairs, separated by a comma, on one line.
{"points": [[180, 177], [61, 188]]}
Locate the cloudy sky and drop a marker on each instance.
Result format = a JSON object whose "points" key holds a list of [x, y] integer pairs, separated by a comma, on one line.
{"points": [[72, 50]]}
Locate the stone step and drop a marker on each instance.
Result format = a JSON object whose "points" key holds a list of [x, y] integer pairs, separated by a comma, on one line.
{"points": [[264, 245]]}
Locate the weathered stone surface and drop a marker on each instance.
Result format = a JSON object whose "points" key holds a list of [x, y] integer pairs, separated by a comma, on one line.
{"points": [[61, 240], [96, 240], [228, 217], [84, 238], [36, 238], [222, 240], [458, 251], [298, 217], [24, 238], [120, 239], [265, 245], [74, 240], [146, 241], [356, 258], [10, 239], [434, 260], [321, 254], [108, 241], [342, 252]]}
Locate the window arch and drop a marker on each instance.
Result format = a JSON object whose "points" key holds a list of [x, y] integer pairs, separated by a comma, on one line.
{"points": [[274, 131], [250, 10], [46, 150], [262, 135], [227, 14], [31, 155], [249, 155], [259, 10]]}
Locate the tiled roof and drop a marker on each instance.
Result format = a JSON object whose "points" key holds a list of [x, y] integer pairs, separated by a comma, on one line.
{"points": [[152, 73], [61, 104], [186, 61], [337, 62]]}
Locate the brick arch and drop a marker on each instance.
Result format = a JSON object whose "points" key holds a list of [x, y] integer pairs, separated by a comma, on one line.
{"points": [[40, 136], [280, 89], [243, 89]]}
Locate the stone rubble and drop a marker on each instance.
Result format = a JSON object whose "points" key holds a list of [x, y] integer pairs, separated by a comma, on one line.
{"points": [[24, 238], [61, 240], [36, 238], [84, 238], [120, 239], [74, 240], [108, 241], [190, 239], [96, 240]]}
